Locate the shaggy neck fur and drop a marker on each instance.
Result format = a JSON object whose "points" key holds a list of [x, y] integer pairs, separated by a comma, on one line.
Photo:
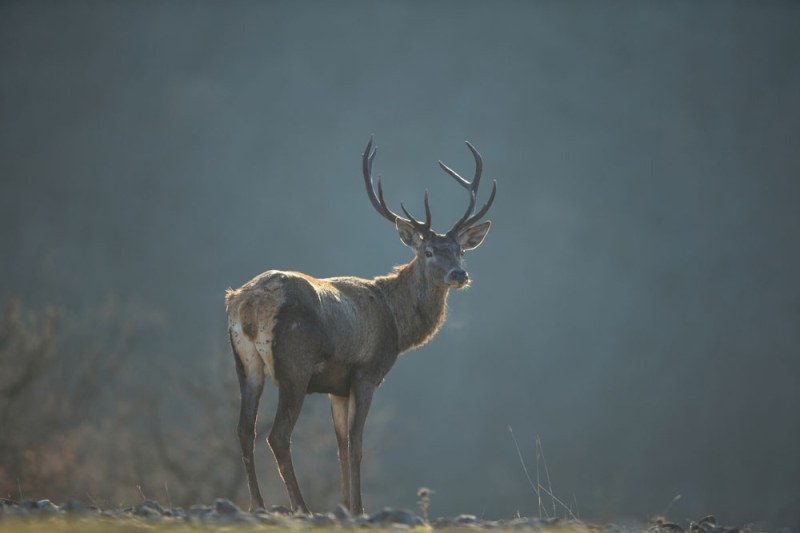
{"points": [[417, 304]]}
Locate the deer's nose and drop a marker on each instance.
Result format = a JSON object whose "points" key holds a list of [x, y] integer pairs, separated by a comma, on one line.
{"points": [[458, 277]]}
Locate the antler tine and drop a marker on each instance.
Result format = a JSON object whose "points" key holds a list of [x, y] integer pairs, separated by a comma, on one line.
{"points": [[388, 213], [485, 209], [468, 219], [427, 211], [461, 181], [478, 170], [424, 228], [377, 200], [473, 198], [478, 166], [379, 203]]}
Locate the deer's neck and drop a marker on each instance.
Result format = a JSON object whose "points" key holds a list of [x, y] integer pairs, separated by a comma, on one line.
{"points": [[417, 304]]}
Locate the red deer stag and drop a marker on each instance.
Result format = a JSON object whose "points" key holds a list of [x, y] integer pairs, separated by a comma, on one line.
{"points": [[340, 336]]}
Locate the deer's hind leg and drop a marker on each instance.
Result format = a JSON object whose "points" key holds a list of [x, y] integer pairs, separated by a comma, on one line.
{"points": [[296, 348], [250, 371], [290, 401]]}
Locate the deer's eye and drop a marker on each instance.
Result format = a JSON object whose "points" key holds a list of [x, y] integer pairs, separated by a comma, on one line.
{"points": [[428, 253]]}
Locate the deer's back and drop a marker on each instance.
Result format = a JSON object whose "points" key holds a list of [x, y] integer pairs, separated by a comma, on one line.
{"points": [[333, 324]]}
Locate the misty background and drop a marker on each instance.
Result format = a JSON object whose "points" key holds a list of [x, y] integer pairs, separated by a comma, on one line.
{"points": [[636, 304]]}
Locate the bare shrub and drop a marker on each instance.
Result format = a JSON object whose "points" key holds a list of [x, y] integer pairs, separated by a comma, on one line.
{"points": [[58, 372], [89, 412]]}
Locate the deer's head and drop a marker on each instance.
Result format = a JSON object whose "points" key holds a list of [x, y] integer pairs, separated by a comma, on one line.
{"points": [[440, 254]]}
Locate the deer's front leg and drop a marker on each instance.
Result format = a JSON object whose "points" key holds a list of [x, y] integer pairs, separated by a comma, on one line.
{"points": [[339, 414], [357, 409]]}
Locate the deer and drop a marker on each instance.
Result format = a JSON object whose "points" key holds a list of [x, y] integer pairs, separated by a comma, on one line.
{"points": [[340, 336]]}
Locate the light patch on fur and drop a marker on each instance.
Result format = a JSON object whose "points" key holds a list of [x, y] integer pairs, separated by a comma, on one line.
{"points": [[252, 313]]}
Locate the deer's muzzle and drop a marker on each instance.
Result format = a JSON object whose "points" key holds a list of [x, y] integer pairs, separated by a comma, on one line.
{"points": [[457, 278]]}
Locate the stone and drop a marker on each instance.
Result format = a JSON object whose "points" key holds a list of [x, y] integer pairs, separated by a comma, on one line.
{"points": [[263, 517], [176, 512], [226, 507], [396, 516], [76, 507], [466, 519], [149, 508], [342, 514], [199, 512], [323, 520]]}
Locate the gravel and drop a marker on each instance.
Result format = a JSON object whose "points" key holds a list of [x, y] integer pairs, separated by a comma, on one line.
{"points": [[225, 512]]}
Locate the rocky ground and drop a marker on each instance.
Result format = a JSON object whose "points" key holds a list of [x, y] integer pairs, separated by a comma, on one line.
{"points": [[223, 512]]}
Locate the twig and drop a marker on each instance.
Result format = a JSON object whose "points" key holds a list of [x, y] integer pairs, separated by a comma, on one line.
{"points": [[547, 474], [668, 507], [525, 469], [169, 500], [549, 490], [91, 499], [538, 484], [559, 502]]}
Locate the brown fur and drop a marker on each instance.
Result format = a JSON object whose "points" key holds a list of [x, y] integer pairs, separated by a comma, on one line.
{"points": [[416, 324], [341, 336], [329, 336]]}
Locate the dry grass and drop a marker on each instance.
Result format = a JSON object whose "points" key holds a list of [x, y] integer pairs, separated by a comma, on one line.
{"points": [[130, 525]]}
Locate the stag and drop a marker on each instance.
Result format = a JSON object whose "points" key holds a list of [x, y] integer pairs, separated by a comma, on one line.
{"points": [[340, 336]]}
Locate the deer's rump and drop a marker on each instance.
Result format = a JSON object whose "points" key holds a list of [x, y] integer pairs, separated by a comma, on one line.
{"points": [[288, 318]]}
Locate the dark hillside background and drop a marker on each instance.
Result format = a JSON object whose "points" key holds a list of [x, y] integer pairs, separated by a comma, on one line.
{"points": [[636, 304]]}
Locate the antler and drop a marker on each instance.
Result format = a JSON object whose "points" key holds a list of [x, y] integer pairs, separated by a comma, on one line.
{"points": [[469, 218], [380, 204]]}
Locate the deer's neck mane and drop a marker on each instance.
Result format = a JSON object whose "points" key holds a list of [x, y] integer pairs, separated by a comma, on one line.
{"points": [[418, 306]]}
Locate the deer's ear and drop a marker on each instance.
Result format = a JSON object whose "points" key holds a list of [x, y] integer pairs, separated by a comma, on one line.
{"points": [[471, 238], [408, 234]]}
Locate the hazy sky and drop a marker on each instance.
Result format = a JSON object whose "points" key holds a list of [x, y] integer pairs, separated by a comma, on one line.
{"points": [[636, 304]]}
